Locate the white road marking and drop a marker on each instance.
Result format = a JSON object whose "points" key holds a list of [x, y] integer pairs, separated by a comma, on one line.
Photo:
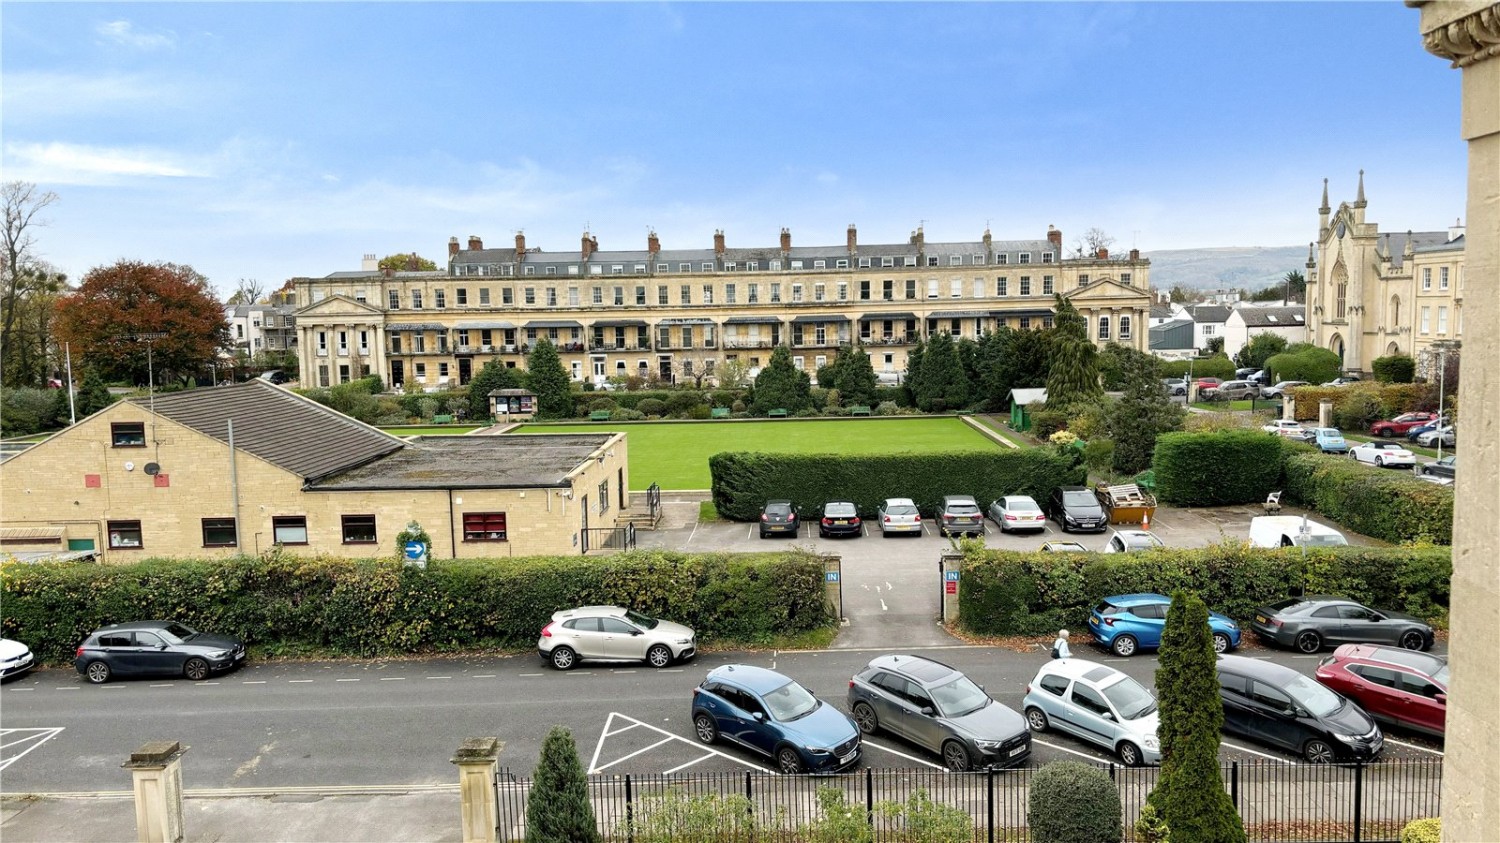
{"points": [[254, 682], [393, 679], [748, 532], [484, 676], [622, 672], [578, 673], [13, 690], [865, 586], [883, 607], [1065, 749], [681, 767], [690, 535], [1438, 752], [1257, 752], [298, 681], [162, 685], [613, 714], [667, 739], [440, 677], [1316, 656], [36, 736], [346, 680], [67, 689], [888, 586], [609, 734], [203, 684], [873, 745], [528, 674], [670, 670]]}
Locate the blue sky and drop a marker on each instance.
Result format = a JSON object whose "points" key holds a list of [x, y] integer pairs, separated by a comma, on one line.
{"points": [[267, 141]]}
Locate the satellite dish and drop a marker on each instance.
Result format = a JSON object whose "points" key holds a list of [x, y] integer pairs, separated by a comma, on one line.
{"points": [[153, 468]]}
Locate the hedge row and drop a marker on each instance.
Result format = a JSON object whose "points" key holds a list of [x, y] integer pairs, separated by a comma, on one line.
{"points": [[1011, 593], [1218, 366], [1385, 505], [381, 607], [1357, 406], [743, 482], [1217, 469]]}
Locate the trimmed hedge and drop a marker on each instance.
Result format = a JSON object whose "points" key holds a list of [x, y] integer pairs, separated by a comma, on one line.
{"points": [[1218, 366], [743, 482], [381, 607], [1385, 505], [1037, 593], [1216, 469], [1071, 802], [1353, 408]]}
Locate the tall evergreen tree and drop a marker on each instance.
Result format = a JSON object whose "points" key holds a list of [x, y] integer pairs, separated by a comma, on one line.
{"points": [[546, 377], [1072, 372], [1189, 794], [913, 377], [943, 385], [854, 377], [493, 376], [780, 385], [968, 358], [558, 810], [93, 395], [1143, 412], [1067, 321]]}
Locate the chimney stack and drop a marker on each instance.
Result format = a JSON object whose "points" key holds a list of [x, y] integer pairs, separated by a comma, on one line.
{"points": [[1103, 253], [853, 239], [719, 242], [1456, 231], [653, 245], [1054, 236], [475, 244], [452, 247], [590, 245], [1135, 254], [786, 241], [520, 243]]}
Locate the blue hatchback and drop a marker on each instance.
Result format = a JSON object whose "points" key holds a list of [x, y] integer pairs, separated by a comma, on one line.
{"points": [[771, 714], [1329, 440], [1129, 622]]}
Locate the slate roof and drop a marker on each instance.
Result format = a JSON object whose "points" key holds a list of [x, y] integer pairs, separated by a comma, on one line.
{"points": [[1395, 242], [1177, 334], [294, 433], [1273, 317], [1162, 311], [512, 461], [1209, 313], [1454, 245]]}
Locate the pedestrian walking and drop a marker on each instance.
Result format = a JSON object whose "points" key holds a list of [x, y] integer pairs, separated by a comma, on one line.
{"points": [[1060, 646]]}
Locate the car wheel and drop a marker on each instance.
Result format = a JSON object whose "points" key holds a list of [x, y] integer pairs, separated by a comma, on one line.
{"points": [[1317, 751], [704, 728], [1379, 462], [97, 672], [956, 758], [1124, 645], [658, 655], [865, 719], [1309, 642], [563, 658], [1413, 640], [1221, 642], [1036, 719], [788, 761], [1130, 754], [1387, 433], [195, 669]]}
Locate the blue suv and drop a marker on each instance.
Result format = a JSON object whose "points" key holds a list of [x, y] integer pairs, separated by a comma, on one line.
{"points": [[1128, 622], [771, 714]]}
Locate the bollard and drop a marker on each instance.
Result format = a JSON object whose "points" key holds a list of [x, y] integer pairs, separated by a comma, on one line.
{"points": [[156, 769], [476, 758]]}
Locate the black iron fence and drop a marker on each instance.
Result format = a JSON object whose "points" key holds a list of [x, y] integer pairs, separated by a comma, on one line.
{"points": [[609, 538], [1278, 803], [653, 502]]}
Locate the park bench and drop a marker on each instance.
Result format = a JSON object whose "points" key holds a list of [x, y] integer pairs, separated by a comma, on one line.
{"points": [[719, 413], [859, 410], [599, 415], [777, 413], [443, 419]]}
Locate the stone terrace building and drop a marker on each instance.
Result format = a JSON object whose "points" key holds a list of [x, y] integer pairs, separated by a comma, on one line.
{"points": [[680, 313]]}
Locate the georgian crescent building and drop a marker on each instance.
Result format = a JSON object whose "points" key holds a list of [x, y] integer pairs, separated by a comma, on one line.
{"points": [[1374, 293], [680, 313]]}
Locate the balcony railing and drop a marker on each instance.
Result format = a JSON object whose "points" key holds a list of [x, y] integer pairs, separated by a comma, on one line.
{"points": [[890, 339], [609, 346], [744, 343]]}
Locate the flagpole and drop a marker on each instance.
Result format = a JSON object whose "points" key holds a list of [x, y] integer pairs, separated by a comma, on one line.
{"points": [[72, 408]]}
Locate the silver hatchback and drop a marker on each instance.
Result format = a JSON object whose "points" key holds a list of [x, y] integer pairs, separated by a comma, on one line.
{"points": [[610, 633], [899, 515], [1098, 704]]}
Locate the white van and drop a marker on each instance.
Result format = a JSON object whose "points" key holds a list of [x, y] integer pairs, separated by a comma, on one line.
{"points": [[1293, 531]]}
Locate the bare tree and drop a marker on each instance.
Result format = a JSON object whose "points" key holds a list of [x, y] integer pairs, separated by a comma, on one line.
{"points": [[247, 291], [1091, 242], [19, 276]]}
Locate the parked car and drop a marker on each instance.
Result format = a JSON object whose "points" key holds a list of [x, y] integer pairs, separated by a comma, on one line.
{"points": [[1411, 435], [1445, 467], [939, 709], [1126, 623], [275, 376], [1448, 434], [779, 518], [899, 515], [1286, 427], [612, 633], [1398, 426], [1205, 383], [1260, 377], [1063, 547], [1293, 531], [1397, 686], [1383, 454], [1076, 508], [1017, 512], [840, 518], [770, 714], [1175, 386], [1127, 541], [1232, 391], [1244, 372], [1329, 440], [1307, 623], [155, 648], [1276, 705], [1095, 703], [15, 659], [1279, 389], [960, 514], [1343, 380]]}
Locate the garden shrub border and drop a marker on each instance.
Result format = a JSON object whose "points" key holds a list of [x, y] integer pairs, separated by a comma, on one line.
{"points": [[1379, 503]]}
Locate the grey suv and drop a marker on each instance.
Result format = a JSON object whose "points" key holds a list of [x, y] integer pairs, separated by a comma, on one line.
{"points": [[1232, 391], [960, 514], [611, 633], [939, 709]]}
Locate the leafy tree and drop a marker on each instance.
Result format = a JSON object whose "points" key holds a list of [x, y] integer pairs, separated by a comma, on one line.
{"points": [[1111, 365], [247, 291], [734, 374], [407, 263], [93, 395], [854, 377], [782, 386], [1295, 286], [1009, 359], [559, 810], [943, 384], [1144, 412], [546, 377], [117, 307], [1189, 794], [1215, 345], [1182, 295], [1261, 347], [32, 355], [1073, 367], [21, 273], [1394, 368], [25, 410], [823, 376], [1091, 242], [968, 359], [493, 376], [1067, 321], [1311, 364]]}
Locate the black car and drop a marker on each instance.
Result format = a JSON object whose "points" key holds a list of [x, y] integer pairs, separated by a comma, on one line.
{"points": [[779, 518], [1076, 508], [1308, 623], [155, 648], [1276, 705], [840, 518], [1445, 467]]}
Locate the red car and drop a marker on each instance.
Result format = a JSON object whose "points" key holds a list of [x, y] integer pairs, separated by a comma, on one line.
{"points": [[1404, 687], [1206, 383], [1399, 425]]}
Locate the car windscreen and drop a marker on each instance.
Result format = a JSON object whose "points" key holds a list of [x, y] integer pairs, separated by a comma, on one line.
{"points": [[1441, 676], [641, 620], [1130, 698], [959, 697], [1320, 540], [1313, 697], [790, 701], [1079, 499], [901, 509], [178, 631]]}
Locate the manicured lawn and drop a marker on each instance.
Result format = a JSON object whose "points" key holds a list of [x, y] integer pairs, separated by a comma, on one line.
{"points": [[676, 455], [1220, 406], [431, 430]]}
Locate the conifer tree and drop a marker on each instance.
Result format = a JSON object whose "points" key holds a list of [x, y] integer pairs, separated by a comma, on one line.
{"points": [[780, 385], [93, 395], [558, 809], [854, 377], [1073, 367], [493, 376], [546, 378], [943, 384]]}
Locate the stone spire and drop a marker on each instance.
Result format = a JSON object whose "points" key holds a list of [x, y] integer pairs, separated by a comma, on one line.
{"points": [[1359, 197], [1324, 209], [1323, 214]]}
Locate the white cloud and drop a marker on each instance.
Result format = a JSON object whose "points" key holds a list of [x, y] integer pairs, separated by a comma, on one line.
{"points": [[31, 96], [124, 32], [68, 163]]}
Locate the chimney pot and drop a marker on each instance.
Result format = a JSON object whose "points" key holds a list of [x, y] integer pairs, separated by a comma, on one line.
{"points": [[719, 242], [589, 244], [475, 244], [1054, 236], [786, 240], [520, 243], [653, 245], [452, 247], [1103, 253], [853, 239], [1135, 254]]}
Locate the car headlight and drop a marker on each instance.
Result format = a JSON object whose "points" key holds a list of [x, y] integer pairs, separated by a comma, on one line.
{"points": [[1152, 743], [684, 641], [988, 744], [1350, 738], [218, 654], [1067, 517], [817, 750]]}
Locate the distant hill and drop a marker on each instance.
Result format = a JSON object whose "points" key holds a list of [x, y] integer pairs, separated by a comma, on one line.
{"points": [[1251, 267]]}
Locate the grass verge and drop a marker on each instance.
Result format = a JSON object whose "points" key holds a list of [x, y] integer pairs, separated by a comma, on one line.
{"points": [[707, 512]]}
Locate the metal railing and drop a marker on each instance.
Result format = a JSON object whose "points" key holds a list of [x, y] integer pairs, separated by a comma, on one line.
{"points": [[609, 538], [1277, 802]]}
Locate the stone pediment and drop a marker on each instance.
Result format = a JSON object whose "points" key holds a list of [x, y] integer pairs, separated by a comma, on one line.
{"points": [[339, 305], [1104, 289]]}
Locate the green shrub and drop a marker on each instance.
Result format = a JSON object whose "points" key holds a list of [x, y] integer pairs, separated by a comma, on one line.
{"points": [[1393, 507], [1357, 409], [1044, 423], [24, 411], [1216, 469], [651, 407], [1314, 365], [1220, 367], [559, 810], [837, 821], [602, 404], [1071, 802], [381, 607], [925, 821], [897, 395], [743, 482], [1036, 593], [1394, 368], [699, 412], [680, 403], [627, 414], [1423, 831], [675, 817], [887, 408]]}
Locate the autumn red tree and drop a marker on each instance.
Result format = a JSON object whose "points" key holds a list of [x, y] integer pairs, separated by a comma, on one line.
{"points": [[116, 306]]}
